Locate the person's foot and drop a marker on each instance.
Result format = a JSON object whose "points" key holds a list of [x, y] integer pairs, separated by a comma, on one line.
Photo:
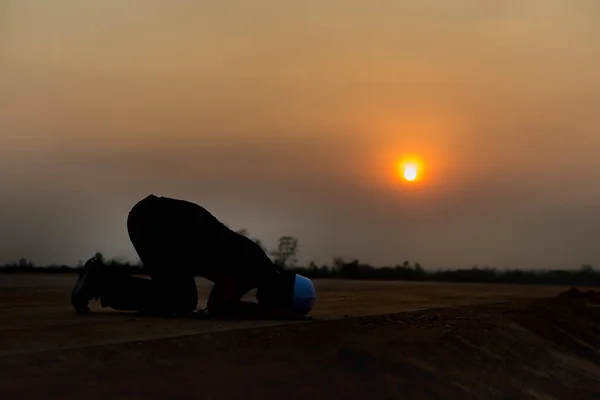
{"points": [[88, 285]]}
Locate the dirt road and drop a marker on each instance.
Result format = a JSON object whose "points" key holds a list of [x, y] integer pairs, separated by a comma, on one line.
{"points": [[35, 313], [529, 349]]}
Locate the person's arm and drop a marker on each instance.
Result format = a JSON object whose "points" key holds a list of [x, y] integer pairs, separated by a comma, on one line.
{"points": [[225, 301]]}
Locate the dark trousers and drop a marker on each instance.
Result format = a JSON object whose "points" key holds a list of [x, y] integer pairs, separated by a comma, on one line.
{"points": [[165, 249]]}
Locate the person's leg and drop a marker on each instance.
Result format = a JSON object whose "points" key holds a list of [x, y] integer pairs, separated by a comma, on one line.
{"points": [[114, 287], [174, 293], [160, 295], [89, 285], [172, 288], [129, 293]]}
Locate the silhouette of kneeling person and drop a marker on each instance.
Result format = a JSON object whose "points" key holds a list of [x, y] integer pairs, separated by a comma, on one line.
{"points": [[177, 240]]}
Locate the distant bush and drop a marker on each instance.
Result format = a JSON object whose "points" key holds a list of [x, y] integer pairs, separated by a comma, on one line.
{"points": [[25, 266], [285, 256], [586, 276]]}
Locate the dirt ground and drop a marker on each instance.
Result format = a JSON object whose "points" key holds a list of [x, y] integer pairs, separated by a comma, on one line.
{"points": [[539, 347], [35, 313]]}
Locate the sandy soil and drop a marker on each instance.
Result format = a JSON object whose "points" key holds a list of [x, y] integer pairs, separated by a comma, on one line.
{"points": [[524, 349], [35, 313]]}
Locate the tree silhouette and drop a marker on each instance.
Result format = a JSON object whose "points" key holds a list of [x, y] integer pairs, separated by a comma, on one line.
{"points": [[587, 268], [100, 257], [285, 255], [244, 232]]}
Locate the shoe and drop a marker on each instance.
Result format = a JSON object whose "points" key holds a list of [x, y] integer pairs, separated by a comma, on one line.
{"points": [[88, 285]]}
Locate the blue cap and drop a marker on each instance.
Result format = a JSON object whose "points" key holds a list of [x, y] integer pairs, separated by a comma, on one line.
{"points": [[305, 295]]}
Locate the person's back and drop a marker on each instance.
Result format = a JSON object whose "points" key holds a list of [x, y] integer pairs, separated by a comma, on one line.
{"points": [[189, 232]]}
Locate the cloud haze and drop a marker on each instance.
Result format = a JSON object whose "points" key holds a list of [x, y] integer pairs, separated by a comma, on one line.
{"points": [[288, 119]]}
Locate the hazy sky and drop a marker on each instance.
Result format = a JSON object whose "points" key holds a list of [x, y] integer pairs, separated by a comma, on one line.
{"points": [[288, 118]]}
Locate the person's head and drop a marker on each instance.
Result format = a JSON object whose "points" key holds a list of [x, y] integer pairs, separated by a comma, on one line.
{"points": [[288, 292]]}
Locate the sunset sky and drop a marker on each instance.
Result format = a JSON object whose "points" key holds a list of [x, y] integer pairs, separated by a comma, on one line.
{"points": [[289, 118]]}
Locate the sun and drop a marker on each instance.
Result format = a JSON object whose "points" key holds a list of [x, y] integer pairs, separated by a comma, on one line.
{"points": [[410, 169], [411, 172]]}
